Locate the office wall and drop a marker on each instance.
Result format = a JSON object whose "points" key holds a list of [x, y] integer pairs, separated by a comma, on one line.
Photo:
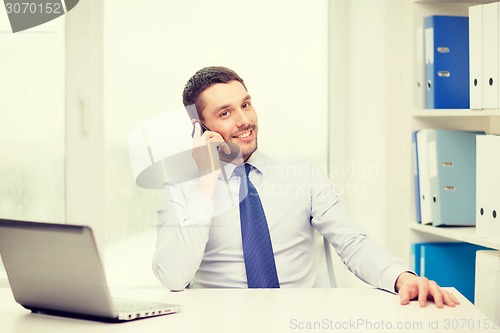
{"points": [[32, 169], [280, 48], [362, 66], [32, 122], [369, 95]]}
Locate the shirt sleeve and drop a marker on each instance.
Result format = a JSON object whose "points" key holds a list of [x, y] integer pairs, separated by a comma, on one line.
{"points": [[182, 234], [357, 250]]}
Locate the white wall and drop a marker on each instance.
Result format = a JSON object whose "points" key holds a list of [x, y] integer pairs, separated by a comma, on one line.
{"points": [[369, 96], [84, 121], [32, 123], [279, 47]]}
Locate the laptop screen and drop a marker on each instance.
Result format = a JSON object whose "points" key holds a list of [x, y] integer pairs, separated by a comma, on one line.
{"points": [[54, 266]]}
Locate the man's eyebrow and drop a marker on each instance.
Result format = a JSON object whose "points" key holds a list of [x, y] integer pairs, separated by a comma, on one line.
{"points": [[224, 106]]}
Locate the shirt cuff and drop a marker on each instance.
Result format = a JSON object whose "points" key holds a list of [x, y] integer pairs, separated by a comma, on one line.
{"points": [[390, 276]]}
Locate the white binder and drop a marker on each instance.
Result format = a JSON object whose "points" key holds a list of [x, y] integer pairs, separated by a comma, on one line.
{"points": [[424, 177], [490, 58], [497, 60], [488, 186], [475, 55], [420, 68], [487, 286]]}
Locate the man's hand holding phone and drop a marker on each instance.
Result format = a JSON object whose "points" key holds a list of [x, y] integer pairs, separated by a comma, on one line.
{"points": [[206, 146]]}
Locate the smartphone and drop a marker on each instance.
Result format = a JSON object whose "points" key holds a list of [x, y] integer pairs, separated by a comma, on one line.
{"points": [[203, 128], [193, 115], [235, 149]]}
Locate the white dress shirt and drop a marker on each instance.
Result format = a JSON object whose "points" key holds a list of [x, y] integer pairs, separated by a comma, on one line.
{"points": [[199, 239]]}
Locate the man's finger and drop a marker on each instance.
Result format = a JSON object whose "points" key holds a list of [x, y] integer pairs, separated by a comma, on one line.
{"points": [[450, 299], [423, 292], [225, 148], [404, 295], [196, 129], [436, 293]]}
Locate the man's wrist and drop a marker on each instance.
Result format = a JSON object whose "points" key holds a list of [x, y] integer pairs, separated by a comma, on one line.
{"points": [[402, 278], [207, 183]]}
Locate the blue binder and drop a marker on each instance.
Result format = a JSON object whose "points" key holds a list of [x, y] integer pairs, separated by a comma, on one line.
{"points": [[416, 255], [452, 172], [449, 264], [446, 62]]}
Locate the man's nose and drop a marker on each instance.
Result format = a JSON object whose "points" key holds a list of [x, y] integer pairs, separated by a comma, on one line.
{"points": [[241, 118]]}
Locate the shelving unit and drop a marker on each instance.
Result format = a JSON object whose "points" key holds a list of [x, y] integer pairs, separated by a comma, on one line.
{"points": [[426, 113], [459, 234], [457, 119]]}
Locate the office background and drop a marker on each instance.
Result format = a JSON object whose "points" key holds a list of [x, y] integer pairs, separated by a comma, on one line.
{"points": [[329, 80]]}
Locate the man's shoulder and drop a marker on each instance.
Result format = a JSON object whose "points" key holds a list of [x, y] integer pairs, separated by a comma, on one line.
{"points": [[266, 159], [288, 167]]}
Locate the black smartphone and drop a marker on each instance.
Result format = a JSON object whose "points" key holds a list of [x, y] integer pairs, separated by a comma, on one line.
{"points": [[235, 149], [193, 115], [203, 128]]}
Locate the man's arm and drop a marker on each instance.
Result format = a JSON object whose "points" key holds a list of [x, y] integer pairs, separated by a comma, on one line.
{"points": [[184, 222], [368, 261], [357, 250], [409, 286], [185, 215]]}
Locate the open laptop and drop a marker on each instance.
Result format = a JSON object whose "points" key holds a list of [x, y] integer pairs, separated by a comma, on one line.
{"points": [[56, 269]]}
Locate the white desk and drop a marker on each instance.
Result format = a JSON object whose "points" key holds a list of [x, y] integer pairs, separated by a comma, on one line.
{"points": [[283, 310]]}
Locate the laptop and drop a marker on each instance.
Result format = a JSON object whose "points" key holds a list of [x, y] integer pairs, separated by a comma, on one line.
{"points": [[56, 269]]}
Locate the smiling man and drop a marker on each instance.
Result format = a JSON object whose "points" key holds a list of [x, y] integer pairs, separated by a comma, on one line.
{"points": [[250, 224], [231, 114]]}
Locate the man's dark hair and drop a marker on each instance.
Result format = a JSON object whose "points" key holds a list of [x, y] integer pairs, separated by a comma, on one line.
{"points": [[203, 79]]}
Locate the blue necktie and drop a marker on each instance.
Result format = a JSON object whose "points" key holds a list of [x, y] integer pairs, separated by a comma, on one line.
{"points": [[257, 248]]}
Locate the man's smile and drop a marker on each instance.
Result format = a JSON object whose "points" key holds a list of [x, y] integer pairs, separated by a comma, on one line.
{"points": [[246, 135]]}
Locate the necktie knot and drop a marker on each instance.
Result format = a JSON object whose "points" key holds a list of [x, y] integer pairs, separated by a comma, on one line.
{"points": [[242, 170]]}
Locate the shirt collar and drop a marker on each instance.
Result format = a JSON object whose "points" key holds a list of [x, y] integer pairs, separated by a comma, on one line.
{"points": [[227, 170], [257, 160]]}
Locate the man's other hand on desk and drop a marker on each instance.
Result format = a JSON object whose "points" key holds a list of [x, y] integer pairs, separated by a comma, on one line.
{"points": [[410, 286]]}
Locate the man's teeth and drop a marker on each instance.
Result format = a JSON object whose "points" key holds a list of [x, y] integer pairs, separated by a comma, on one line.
{"points": [[244, 135]]}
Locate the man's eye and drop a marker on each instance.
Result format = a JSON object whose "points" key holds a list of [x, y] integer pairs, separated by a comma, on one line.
{"points": [[224, 114], [245, 105]]}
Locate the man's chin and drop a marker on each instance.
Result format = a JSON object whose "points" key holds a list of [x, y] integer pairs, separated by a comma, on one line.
{"points": [[246, 153], [238, 154]]}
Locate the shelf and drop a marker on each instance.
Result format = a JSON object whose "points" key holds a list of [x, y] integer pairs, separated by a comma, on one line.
{"points": [[455, 113], [460, 234], [453, 1]]}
